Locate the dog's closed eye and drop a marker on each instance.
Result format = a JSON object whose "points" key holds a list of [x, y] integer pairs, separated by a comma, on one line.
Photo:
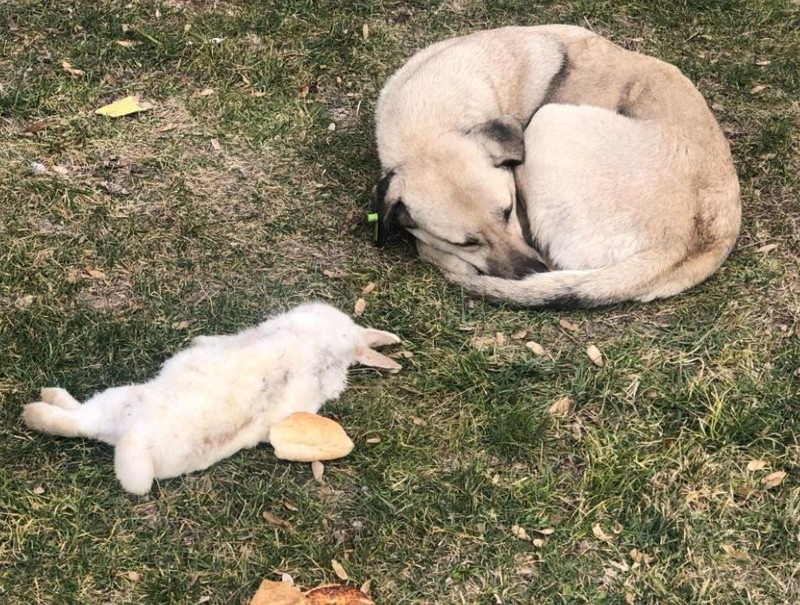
{"points": [[470, 241]]}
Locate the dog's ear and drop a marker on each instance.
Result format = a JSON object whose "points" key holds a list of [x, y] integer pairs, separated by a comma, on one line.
{"points": [[390, 209], [503, 139]]}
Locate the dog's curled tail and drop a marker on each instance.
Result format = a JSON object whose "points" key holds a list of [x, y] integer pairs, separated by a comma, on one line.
{"points": [[642, 277]]}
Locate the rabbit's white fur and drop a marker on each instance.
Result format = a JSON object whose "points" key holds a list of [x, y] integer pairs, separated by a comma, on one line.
{"points": [[219, 395]]}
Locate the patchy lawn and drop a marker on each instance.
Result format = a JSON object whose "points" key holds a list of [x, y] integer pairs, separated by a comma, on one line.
{"points": [[243, 192]]}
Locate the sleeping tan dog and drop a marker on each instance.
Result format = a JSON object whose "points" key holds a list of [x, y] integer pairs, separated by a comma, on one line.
{"points": [[547, 166]]}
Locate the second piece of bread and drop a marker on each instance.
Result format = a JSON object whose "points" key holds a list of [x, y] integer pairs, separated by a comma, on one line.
{"points": [[304, 437]]}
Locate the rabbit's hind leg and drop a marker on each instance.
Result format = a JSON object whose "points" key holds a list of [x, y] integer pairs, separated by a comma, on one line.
{"points": [[60, 398], [133, 464], [51, 419]]}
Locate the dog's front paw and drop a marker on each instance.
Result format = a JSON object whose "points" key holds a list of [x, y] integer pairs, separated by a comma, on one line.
{"points": [[448, 263]]}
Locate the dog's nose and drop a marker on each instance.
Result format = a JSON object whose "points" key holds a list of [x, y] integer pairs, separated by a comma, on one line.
{"points": [[516, 264]]}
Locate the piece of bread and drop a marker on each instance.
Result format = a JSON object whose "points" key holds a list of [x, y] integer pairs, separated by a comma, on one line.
{"points": [[304, 437]]}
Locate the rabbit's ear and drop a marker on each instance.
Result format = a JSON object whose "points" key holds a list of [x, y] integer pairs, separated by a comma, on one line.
{"points": [[379, 338], [368, 357]]}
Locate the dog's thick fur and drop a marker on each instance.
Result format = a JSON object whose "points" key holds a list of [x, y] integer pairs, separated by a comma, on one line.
{"points": [[220, 395], [595, 174]]}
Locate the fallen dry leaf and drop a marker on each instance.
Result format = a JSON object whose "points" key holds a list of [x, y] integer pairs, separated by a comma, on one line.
{"points": [[74, 276], [366, 587], [38, 490], [361, 304], [547, 531], [287, 579], [535, 347], [595, 355], [763, 62], [480, 342], [629, 598], [767, 248], [277, 593], [204, 93], [337, 594], [126, 43], [365, 32], [75, 73], [95, 274], [745, 491], [756, 465], [537, 542], [519, 532], [401, 354], [133, 576], [204, 599], [215, 145], [368, 288], [23, 302], [123, 107], [499, 339], [35, 127], [640, 558], [374, 440], [600, 534], [519, 335], [289, 506], [418, 421], [166, 127], [773, 479], [339, 570], [560, 407], [621, 565], [317, 469], [568, 325], [757, 89], [734, 553], [275, 520]]}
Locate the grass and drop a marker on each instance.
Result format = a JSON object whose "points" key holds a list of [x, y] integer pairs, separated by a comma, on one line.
{"points": [[216, 209]]}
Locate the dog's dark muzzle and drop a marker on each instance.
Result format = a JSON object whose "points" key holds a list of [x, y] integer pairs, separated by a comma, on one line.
{"points": [[516, 264]]}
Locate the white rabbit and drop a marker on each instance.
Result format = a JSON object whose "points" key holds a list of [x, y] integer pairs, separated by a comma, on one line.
{"points": [[219, 395]]}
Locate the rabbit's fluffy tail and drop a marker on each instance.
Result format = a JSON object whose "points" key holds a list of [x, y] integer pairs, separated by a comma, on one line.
{"points": [[133, 464]]}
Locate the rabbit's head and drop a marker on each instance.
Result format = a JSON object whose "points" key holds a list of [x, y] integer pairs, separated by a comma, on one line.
{"points": [[326, 324]]}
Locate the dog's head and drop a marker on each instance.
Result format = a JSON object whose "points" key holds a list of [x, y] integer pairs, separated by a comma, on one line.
{"points": [[456, 193]]}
